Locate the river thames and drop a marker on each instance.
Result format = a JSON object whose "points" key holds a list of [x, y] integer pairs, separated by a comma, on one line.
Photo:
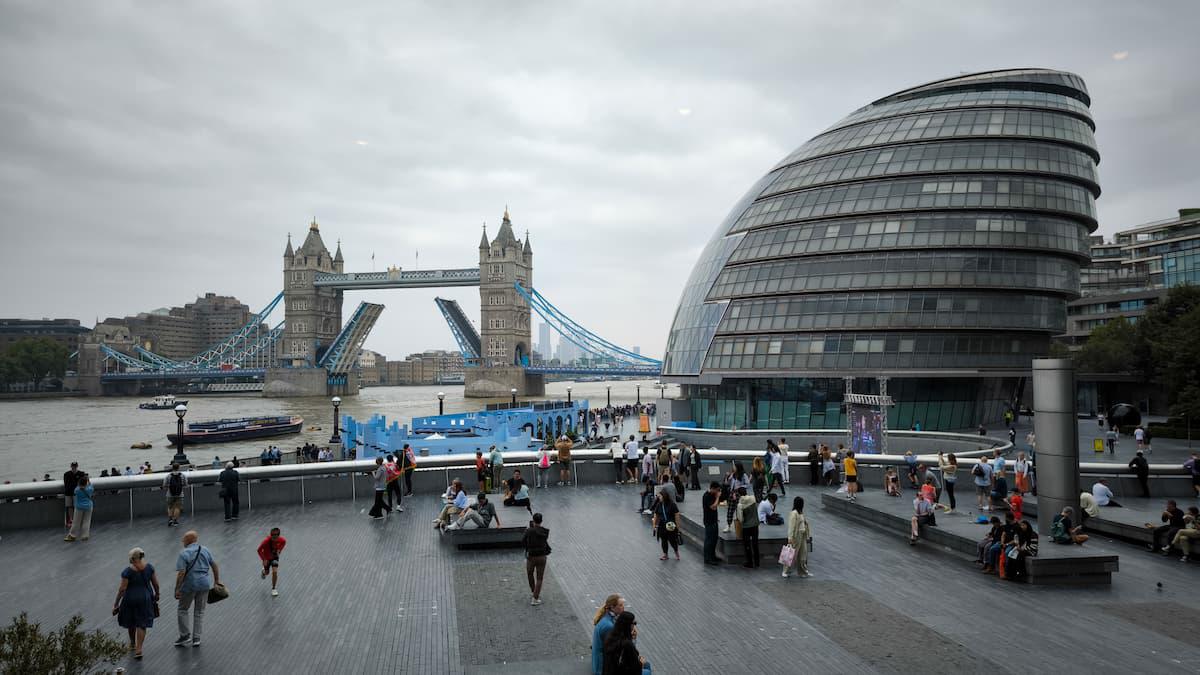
{"points": [[46, 435]]}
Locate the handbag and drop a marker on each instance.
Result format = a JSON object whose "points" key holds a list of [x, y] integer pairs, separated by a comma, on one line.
{"points": [[153, 598], [787, 556], [217, 593]]}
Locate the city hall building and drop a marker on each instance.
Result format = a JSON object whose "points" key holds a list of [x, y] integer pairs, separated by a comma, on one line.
{"points": [[931, 238]]}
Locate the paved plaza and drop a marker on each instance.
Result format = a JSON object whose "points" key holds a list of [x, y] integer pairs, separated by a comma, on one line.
{"points": [[363, 596]]}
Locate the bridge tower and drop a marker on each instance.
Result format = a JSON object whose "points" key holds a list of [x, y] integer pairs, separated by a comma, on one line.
{"points": [[505, 334], [312, 316]]}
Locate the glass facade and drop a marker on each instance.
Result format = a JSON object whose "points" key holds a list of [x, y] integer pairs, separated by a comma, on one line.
{"points": [[932, 237]]}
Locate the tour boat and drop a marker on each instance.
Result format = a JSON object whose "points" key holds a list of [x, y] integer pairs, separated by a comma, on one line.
{"points": [[167, 402], [223, 431]]}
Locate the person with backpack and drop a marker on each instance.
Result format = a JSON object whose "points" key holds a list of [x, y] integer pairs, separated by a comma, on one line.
{"points": [[747, 520], [409, 458], [393, 484], [563, 446], [174, 484], [1064, 531], [982, 475], [268, 552], [543, 466], [662, 457]]}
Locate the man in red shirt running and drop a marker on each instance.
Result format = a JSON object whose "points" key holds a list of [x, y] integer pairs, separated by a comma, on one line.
{"points": [[268, 552]]}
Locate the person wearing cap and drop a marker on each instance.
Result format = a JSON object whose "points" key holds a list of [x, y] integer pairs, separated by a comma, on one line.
{"points": [[70, 482], [481, 513], [229, 491]]}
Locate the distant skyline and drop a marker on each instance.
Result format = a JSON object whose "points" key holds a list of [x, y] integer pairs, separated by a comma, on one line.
{"points": [[152, 153]]}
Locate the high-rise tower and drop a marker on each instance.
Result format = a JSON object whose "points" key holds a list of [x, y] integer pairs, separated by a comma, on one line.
{"points": [[313, 315]]}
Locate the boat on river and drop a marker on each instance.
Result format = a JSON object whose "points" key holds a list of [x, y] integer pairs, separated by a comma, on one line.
{"points": [[166, 402], [224, 431]]}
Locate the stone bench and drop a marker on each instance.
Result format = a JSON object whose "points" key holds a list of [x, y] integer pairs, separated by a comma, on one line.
{"points": [[771, 539], [1055, 564], [493, 537]]}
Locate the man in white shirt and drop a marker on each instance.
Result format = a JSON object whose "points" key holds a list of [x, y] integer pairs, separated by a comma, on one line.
{"points": [[783, 452], [766, 507], [617, 452], [631, 458], [1103, 494]]}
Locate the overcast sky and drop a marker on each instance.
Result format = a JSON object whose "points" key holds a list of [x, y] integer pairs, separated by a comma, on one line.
{"points": [[150, 152]]}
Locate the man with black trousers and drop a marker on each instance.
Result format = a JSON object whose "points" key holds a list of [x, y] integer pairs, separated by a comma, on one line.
{"points": [[695, 468], [814, 464], [709, 502], [229, 491], [1142, 470]]}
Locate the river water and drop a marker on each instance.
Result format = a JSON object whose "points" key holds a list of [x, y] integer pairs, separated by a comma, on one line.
{"points": [[46, 435]]}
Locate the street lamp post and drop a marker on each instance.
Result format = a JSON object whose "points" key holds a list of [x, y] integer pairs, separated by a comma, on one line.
{"points": [[336, 438], [568, 394], [608, 395], [180, 458], [639, 394], [513, 391], [441, 403], [662, 389]]}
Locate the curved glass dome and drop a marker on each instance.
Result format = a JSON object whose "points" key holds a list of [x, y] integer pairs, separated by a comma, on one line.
{"points": [[936, 232]]}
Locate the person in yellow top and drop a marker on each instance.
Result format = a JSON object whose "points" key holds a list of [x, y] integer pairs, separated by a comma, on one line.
{"points": [[850, 466]]}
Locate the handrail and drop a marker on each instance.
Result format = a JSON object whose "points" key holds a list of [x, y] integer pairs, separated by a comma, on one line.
{"points": [[466, 463]]}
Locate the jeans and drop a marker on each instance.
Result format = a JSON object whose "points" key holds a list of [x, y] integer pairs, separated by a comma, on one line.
{"points": [[1162, 534], [186, 600], [393, 488], [695, 469], [232, 504], [512, 501], [542, 480], [408, 480], [950, 494], [710, 542], [619, 469], [993, 555], [750, 544]]}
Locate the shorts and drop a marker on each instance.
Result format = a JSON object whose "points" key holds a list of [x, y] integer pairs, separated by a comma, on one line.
{"points": [[631, 464], [70, 501], [175, 502], [851, 479], [481, 475], [271, 563], [982, 490]]}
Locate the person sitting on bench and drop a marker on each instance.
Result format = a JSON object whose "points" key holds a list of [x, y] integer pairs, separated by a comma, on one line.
{"points": [[1103, 494], [891, 482], [481, 513], [648, 494], [456, 502], [516, 492], [922, 515]]}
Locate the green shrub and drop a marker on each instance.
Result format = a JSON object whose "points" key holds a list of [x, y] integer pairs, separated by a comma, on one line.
{"points": [[24, 648]]}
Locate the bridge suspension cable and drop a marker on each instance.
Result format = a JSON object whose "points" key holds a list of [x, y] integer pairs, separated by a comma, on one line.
{"points": [[580, 336]]}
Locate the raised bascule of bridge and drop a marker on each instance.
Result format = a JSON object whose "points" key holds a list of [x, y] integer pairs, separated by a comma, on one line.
{"points": [[312, 352]]}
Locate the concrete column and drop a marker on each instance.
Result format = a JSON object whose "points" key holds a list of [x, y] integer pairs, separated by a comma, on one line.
{"points": [[1057, 431]]}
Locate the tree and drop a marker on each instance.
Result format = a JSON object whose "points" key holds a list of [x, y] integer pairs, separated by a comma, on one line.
{"points": [[1111, 348], [67, 651], [33, 360]]}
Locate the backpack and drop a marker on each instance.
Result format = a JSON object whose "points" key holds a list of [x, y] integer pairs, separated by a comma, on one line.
{"points": [[750, 515], [175, 484], [977, 471], [544, 462]]}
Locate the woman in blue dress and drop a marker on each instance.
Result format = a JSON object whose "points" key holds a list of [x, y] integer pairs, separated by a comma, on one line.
{"points": [[136, 599]]}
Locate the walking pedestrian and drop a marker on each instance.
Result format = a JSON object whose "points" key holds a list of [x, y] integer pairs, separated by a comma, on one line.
{"points": [[229, 491], [268, 552], [783, 452], [605, 618], [537, 546], [665, 523], [621, 655], [81, 525], [747, 518], [192, 583], [380, 507], [136, 605], [778, 468], [173, 483], [70, 482], [798, 536]]}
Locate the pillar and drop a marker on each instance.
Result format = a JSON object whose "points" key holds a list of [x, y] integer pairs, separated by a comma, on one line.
{"points": [[1057, 431]]}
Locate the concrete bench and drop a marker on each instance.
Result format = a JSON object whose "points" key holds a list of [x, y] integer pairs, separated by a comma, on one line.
{"points": [[771, 539], [1055, 564], [493, 537]]}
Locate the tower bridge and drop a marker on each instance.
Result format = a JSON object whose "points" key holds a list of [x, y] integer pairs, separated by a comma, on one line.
{"points": [[312, 352]]}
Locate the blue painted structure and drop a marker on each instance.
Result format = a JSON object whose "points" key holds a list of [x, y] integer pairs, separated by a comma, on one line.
{"points": [[508, 427]]}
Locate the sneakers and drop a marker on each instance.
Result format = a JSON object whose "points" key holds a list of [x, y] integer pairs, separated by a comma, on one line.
{"points": [[183, 641], [454, 526], [646, 512], [726, 529], [274, 593], [399, 509], [806, 575], [1183, 558], [535, 602], [785, 574], [68, 538], [264, 573], [195, 643]]}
